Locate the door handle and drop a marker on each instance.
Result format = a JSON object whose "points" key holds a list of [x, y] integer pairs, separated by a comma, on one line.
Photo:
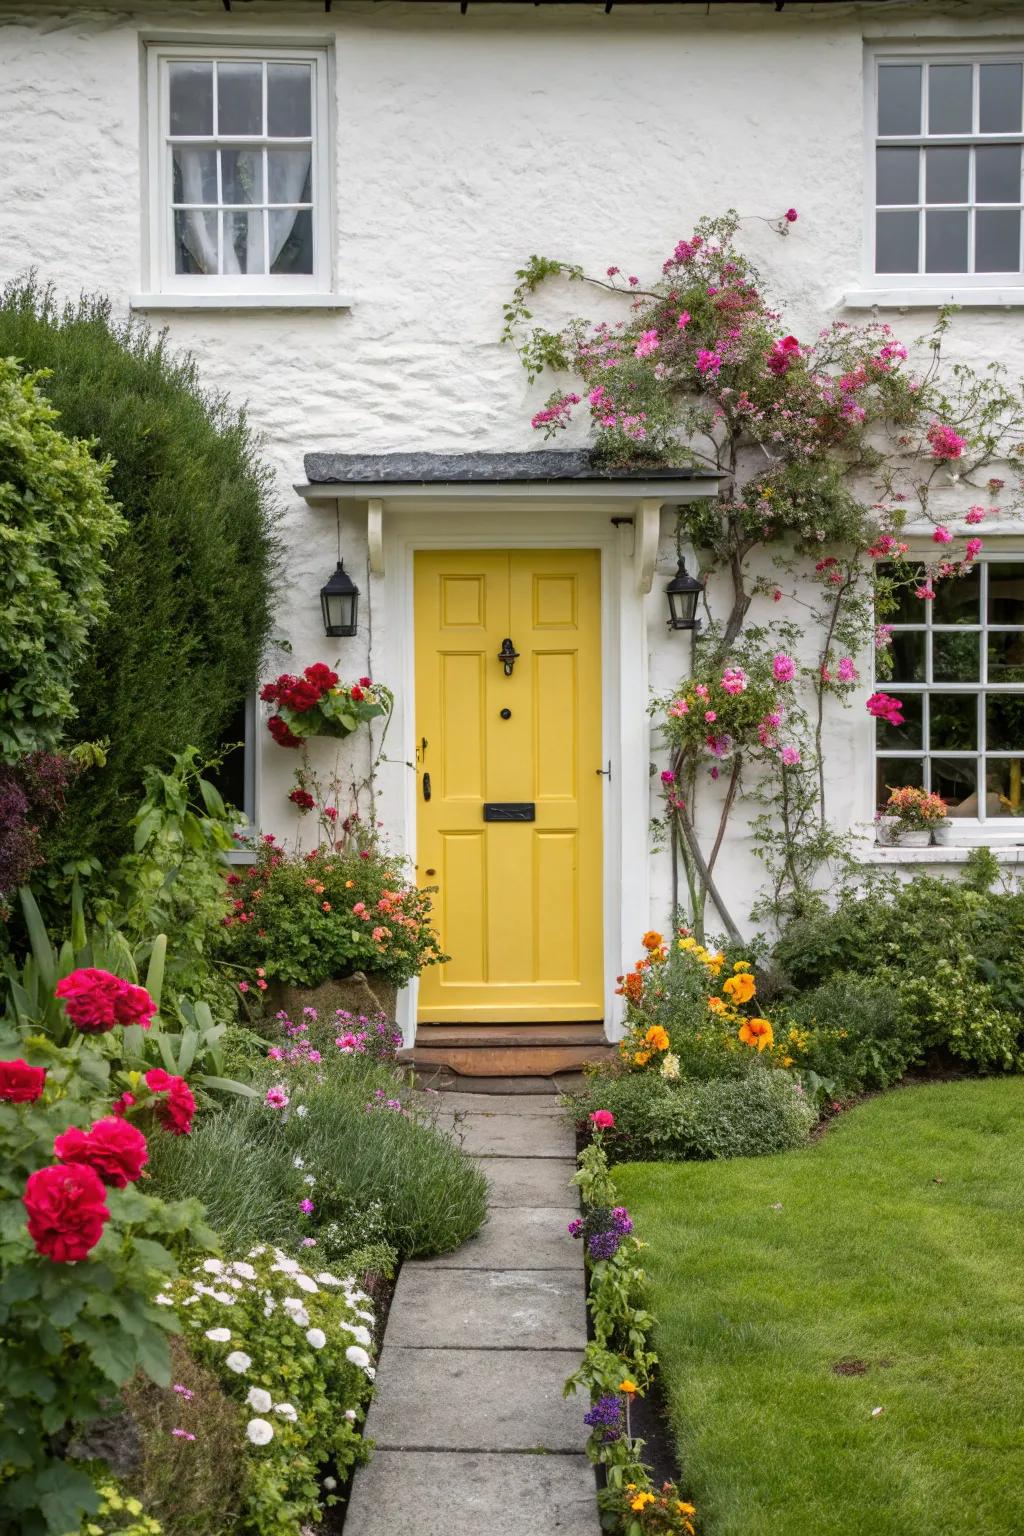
{"points": [[426, 786]]}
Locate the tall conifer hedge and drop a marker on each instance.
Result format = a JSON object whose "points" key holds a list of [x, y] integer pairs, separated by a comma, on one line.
{"points": [[192, 579]]}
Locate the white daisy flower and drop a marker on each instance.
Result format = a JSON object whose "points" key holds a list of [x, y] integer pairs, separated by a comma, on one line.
{"points": [[359, 1333], [260, 1400], [188, 1301], [213, 1266], [286, 1411], [219, 1335], [325, 1279], [259, 1432], [367, 1317], [163, 1300], [286, 1266], [304, 1283], [357, 1356], [240, 1267], [224, 1297], [254, 1253], [238, 1361], [316, 1337]]}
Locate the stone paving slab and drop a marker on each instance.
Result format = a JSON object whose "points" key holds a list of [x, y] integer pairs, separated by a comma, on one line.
{"points": [[488, 1309], [512, 1135], [510, 1236], [529, 1181], [493, 1103], [476, 1400], [459, 1494]]}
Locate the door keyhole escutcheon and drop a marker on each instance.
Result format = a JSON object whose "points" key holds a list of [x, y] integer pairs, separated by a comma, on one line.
{"points": [[508, 656]]}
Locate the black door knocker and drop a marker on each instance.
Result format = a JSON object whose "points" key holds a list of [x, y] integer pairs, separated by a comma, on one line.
{"points": [[508, 656]]}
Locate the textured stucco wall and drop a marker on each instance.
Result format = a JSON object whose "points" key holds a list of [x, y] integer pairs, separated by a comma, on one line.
{"points": [[462, 145]]}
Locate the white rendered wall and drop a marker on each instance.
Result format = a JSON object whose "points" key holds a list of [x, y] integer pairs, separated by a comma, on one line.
{"points": [[463, 145]]}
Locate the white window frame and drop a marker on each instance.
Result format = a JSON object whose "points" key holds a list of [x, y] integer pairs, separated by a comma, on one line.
{"points": [[262, 287], [1005, 829], [925, 54]]}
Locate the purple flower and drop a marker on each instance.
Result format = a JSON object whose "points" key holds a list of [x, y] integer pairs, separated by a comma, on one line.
{"points": [[622, 1221], [575, 1228], [307, 1207], [604, 1245]]}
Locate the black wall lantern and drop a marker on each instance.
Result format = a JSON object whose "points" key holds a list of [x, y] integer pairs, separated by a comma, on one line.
{"points": [[683, 594], [339, 600]]}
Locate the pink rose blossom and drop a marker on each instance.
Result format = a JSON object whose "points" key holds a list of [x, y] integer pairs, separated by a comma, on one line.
{"points": [[790, 756], [847, 670], [783, 667], [942, 536], [973, 549], [975, 515]]}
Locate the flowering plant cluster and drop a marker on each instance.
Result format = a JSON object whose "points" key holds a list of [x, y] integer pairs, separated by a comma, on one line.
{"points": [[915, 809], [618, 1365], [829, 448], [319, 704], [294, 1349], [83, 1248], [302, 918]]}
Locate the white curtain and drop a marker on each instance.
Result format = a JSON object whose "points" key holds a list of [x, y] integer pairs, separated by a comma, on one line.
{"points": [[199, 231]]}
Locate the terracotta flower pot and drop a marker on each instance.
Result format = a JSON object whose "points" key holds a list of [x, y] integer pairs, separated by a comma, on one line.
{"points": [[362, 992]]}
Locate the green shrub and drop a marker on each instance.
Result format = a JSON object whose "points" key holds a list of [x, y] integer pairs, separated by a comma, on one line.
{"points": [[858, 1034], [305, 917], [194, 575], [58, 525], [764, 1111]]}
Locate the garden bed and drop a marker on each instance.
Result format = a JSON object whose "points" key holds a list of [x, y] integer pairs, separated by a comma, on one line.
{"points": [[800, 1294]]}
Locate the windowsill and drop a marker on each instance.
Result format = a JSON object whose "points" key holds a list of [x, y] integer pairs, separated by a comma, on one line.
{"points": [[880, 855], [933, 298], [241, 856], [231, 301]]}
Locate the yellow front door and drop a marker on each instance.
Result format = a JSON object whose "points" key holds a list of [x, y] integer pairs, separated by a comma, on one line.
{"points": [[509, 784]]}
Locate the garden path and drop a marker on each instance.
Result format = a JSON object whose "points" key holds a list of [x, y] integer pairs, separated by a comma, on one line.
{"points": [[473, 1436]]}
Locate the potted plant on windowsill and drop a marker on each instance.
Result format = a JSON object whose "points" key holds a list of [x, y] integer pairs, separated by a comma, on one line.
{"points": [[909, 817]]}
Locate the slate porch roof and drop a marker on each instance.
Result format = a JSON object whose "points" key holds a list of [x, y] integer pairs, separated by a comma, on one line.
{"points": [[537, 466]]}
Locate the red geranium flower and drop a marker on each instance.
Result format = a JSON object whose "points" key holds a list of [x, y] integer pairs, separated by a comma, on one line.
{"points": [[364, 682], [303, 799], [66, 1211], [321, 676], [278, 728], [355, 692], [175, 1112], [20, 1083], [97, 1000], [114, 1148]]}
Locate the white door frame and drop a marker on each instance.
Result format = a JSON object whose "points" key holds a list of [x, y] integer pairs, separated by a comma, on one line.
{"points": [[536, 524]]}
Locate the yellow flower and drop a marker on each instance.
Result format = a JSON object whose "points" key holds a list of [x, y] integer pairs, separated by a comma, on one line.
{"points": [[641, 1058], [739, 988], [627, 1386], [787, 1061], [682, 1508], [717, 1005], [656, 1038], [757, 1032], [687, 945], [641, 1501], [742, 965]]}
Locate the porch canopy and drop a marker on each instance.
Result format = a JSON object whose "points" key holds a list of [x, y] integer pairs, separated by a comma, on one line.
{"points": [[389, 482]]}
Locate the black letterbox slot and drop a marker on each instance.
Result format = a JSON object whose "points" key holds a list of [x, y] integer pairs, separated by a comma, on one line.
{"points": [[509, 810]]}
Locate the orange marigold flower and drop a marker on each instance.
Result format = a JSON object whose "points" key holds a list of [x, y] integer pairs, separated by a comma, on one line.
{"points": [[757, 1032], [651, 940], [717, 1005], [641, 1501], [627, 1386], [641, 1058], [656, 1038], [740, 988]]}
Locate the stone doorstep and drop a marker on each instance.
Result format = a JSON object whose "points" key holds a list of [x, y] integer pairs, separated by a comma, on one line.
{"points": [[450, 1493], [476, 1400], [512, 1135], [529, 1181], [488, 1309], [510, 1235], [449, 1102]]}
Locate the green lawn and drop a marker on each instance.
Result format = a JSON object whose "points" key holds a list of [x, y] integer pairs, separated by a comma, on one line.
{"points": [[897, 1241]]}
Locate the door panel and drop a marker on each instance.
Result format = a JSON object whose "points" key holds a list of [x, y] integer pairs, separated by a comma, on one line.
{"points": [[519, 904]]}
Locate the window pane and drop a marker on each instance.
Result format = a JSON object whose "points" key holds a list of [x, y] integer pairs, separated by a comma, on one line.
{"points": [[191, 97], [1006, 592], [239, 98], [1000, 98], [908, 608], [997, 173], [956, 658], [241, 172], [953, 722], [289, 100], [288, 173], [243, 242], [897, 773], [1004, 722], [1005, 796], [899, 98], [958, 601], [1006, 656], [291, 241], [945, 248], [946, 175], [195, 242], [896, 242], [908, 656], [897, 172], [996, 240], [893, 737], [949, 98], [956, 780], [195, 175]]}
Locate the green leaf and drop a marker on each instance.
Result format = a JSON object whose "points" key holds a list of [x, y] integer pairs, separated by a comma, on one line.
{"points": [[155, 972], [61, 1492], [212, 800], [42, 949], [229, 1085], [111, 1349], [78, 933], [147, 827], [155, 1255], [155, 1357], [187, 1050]]}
